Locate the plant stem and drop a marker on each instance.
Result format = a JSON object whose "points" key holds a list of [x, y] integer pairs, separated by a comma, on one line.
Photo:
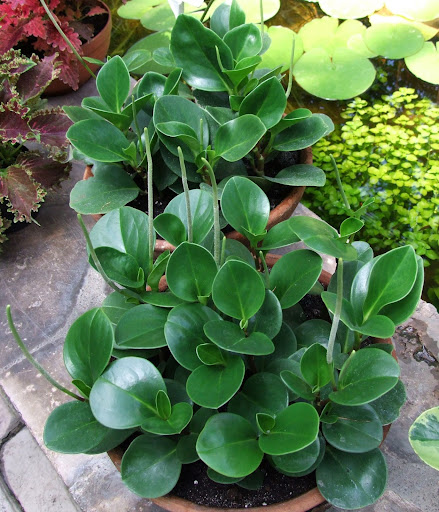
{"points": [[32, 360], [266, 273], [66, 39], [223, 251], [190, 235], [290, 75], [206, 10], [150, 200], [339, 183], [216, 222], [337, 312], [136, 124], [261, 11]]}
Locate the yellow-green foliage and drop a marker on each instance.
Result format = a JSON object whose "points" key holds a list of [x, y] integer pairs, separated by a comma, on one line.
{"points": [[388, 150]]}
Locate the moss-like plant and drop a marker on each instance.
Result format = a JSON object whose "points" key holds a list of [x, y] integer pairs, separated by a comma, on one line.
{"points": [[390, 150]]}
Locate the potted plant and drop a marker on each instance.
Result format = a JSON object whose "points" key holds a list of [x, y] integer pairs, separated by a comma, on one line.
{"points": [[65, 28], [223, 366], [34, 148], [424, 437], [215, 104]]}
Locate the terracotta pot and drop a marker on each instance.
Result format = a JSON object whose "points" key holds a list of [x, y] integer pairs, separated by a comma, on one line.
{"points": [[303, 503], [96, 48], [281, 212]]}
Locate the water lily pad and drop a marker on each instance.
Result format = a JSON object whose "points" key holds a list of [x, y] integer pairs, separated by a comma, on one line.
{"points": [[251, 9], [394, 41], [348, 9], [279, 52], [427, 31], [425, 63], [421, 10], [340, 77], [356, 44]]}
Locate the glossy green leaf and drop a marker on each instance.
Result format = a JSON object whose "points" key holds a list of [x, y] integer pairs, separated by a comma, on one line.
{"points": [[170, 227], [268, 320], [300, 175], [158, 270], [97, 105], [332, 247], [194, 49], [210, 355], [294, 382], [279, 235], [366, 375], [261, 393], [238, 137], [72, 428], [293, 276], [213, 386], [113, 83], [75, 113], [378, 326], [151, 43], [220, 20], [142, 327], [424, 437], [296, 427], [181, 415], [99, 140], [229, 446], [230, 337], [307, 227], [302, 135], [313, 331], [267, 101], [88, 346], [351, 481], [124, 395], [285, 344], [245, 206], [218, 477], [238, 290], [388, 406], [191, 272], [244, 41], [237, 251], [244, 68], [150, 466], [186, 448], [184, 332], [112, 439], [394, 40], [136, 60], [314, 367], [250, 8], [120, 267], [265, 422], [357, 429], [350, 226], [162, 299], [298, 461], [115, 306], [200, 418], [425, 63]]}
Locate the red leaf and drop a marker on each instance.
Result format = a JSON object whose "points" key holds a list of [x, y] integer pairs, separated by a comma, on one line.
{"points": [[32, 83], [54, 37], [22, 192], [6, 93], [96, 10], [52, 127], [13, 127], [10, 36], [36, 27], [69, 70], [44, 170]]}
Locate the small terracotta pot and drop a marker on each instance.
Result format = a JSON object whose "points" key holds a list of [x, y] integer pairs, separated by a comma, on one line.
{"points": [[96, 48], [281, 212]]}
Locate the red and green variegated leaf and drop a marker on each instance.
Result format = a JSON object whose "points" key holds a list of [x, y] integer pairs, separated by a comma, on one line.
{"points": [[69, 69], [51, 126], [10, 36], [7, 93], [21, 191], [13, 127], [44, 170], [32, 83]]}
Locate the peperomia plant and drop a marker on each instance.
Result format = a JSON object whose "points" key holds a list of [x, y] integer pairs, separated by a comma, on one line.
{"points": [[222, 360], [221, 110]]}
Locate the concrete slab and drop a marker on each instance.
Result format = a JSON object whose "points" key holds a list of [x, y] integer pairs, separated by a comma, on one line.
{"points": [[7, 501], [10, 421]]}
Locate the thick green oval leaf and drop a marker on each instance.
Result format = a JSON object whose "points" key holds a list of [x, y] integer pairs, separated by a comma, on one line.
{"points": [[150, 467], [228, 445], [296, 427], [209, 354], [238, 290], [181, 415], [424, 437], [378, 326], [115, 306], [88, 346], [293, 276], [394, 40], [170, 227], [313, 331], [351, 481], [124, 395], [162, 299], [245, 206], [184, 332], [268, 320], [213, 386], [112, 439], [294, 382], [315, 369], [231, 337], [72, 428], [267, 101], [303, 134], [238, 137], [244, 41], [388, 406], [99, 140], [356, 430], [280, 235], [194, 49], [113, 83], [218, 477], [338, 248], [121, 267], [300, 175], [142, 327], [300, 461], [186, 448], [366, 375], [191, 272]]}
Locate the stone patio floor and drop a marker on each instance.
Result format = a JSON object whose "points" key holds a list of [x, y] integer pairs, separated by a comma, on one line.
{"points": [[46, 279]]}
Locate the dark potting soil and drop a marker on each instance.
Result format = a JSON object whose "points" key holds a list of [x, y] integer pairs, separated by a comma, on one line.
{"points": [[195, 486], [314, 307]]}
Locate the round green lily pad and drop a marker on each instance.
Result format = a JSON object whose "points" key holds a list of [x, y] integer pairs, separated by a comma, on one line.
{"points": [[394, 41], [340, 77], [425, 63], [251, 9], [356, 44], [279, 52], [419, 10], [348, 9], [424, 437]]}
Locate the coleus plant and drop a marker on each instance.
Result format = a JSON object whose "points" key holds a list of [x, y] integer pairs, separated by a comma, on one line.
{"points": [[26, 175], [222, 361], [27, 23], [215, 105]]}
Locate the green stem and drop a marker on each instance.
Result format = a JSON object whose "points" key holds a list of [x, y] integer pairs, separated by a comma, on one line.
{"points": [[357, 341], [190, 235], [206, 10], [150, 200], [66, 39], [339, 183], [223, 251], [337, 312], [32, 360], [216, 222], [261, 11], [266, 273], [136, 124], [290, 75]]}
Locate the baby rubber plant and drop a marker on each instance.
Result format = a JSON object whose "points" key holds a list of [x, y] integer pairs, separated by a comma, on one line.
{"points": [[223, 360]]}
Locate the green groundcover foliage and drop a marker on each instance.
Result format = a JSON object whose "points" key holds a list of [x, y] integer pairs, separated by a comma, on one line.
{"points": [[388, 150]]}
